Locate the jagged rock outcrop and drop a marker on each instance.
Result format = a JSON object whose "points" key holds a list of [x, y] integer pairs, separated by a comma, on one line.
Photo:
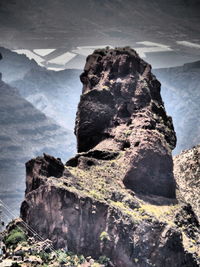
{"points": [[116, 196], [187, 174], [75, 216], [121, 109]]}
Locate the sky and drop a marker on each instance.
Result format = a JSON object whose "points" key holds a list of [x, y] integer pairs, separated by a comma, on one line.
{"points": [[60, 34]]}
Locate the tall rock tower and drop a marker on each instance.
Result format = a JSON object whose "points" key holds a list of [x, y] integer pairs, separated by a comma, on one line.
{"points": [[121, 109]]}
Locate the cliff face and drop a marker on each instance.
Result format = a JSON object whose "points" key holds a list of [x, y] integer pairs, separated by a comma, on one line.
{"points": [[121, 109], [116, 197], [187, 173]]}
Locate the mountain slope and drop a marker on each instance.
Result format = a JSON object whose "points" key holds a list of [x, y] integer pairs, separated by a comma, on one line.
{"points": [[54, 93], [187, 173], [181, 94], [25, 132]]}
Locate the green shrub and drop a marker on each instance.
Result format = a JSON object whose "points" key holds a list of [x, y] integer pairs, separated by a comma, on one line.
{"points": [[81, 259], [69, 258], [62, 257], [44, 256], [14, 237], [104, 236], [104, 260]]}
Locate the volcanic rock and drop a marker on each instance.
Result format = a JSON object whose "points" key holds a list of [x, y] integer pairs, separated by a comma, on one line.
{"points": [[116, 197], [187, 174], [121, 109]]}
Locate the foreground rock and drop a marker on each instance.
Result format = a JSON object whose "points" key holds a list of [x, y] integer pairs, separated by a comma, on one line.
{"points": [[187, 173], [116, 197]]}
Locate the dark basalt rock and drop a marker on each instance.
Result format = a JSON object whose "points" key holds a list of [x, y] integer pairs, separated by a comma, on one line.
{"points": [[46, 166], [121, 103], [110, 199], [93, 154]]}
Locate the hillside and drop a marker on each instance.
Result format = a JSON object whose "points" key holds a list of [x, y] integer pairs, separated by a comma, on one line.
{"points": [[56, 94], [25, 132], [181, 94]]}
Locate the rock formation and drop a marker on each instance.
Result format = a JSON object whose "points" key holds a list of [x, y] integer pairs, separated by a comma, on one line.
{"points": [[121, 109], [116, 197], [187, 174]]}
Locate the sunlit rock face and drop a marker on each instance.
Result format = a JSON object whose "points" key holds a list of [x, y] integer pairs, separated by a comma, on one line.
{"points": [[187, 174], [116, 196], [121, 109]]}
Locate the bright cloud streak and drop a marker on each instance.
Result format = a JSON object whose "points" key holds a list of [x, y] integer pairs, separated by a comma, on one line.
{"points": [[62, 59], [43, 52], [189, 44], [30, 55]]}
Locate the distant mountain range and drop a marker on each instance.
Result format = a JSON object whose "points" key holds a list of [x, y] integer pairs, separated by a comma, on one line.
{"points": [[25, 132], [181, 93], [54, 93]]}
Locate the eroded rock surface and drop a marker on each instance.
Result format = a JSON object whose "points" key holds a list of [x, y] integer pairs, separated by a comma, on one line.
{"points": [[116, 197], [121, 109], [187, 174]]}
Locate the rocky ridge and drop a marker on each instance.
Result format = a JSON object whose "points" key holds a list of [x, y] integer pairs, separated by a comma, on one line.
{"points": [[116, 197]]}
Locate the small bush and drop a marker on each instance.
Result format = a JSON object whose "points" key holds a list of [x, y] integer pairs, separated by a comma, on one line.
{"points": [[104, 260], [104, 236], [62, 257], [44, 256], [70, 258], [96, 265], [14, 237]]}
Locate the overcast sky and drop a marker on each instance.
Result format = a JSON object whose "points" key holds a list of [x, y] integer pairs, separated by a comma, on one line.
{"points": [[66, 26]]}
